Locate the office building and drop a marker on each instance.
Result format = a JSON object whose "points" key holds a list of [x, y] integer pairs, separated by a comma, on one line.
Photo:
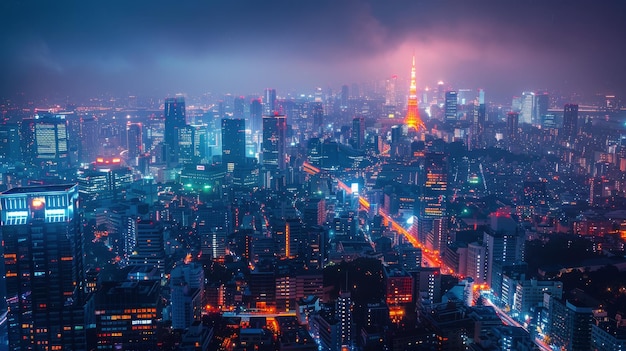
{"points": [[512, 126], [45, 140], [149, 247], [44, 275], [269, 102], [256, 116], [432, 204], [175, 119], [357, 139], [9, 143], [238, 107], [134, 142], [274, 142], [451, 106], [127, 314], [570, 122], [233, 143]]}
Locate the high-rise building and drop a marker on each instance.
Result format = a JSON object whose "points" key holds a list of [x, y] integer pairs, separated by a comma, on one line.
{"points": [[412, 118], [433, 192], [345, 306], [44, 275], [238, 107], [134, 141], [317, 111], [451, 105], [9, 143], [149, 249], [127, 314], [390, 91], [274, 142], [175, 119], [528, 107], [541, 105], [502, 248], [256, 115], [570, 122], [512, 125], [45, 140], [269, 102], [358, 133], [233, 142]]}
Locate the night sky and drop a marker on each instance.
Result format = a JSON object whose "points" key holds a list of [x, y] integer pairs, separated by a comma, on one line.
{"points": [[158, 48]]}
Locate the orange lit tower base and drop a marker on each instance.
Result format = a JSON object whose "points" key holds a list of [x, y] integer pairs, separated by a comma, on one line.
{"points": [[412, 119]]}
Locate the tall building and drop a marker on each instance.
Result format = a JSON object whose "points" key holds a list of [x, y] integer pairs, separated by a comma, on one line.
{"points": [[45, 140], [274, 142], [358, 133], [390, 91], [433, 192], [134, 141], [451, 105], [541, 105], [175, 120], [127, 314], [317, 111], [256, 115], [528, 107], [412, 118], [269, 102], [149, 249], [9, 143], [570, 122], [233, 142], [44, 275], [345, 305], [238, 107], [512, 125]]}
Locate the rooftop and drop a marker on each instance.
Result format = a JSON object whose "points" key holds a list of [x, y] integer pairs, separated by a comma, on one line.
{"points": [[39, 189]]}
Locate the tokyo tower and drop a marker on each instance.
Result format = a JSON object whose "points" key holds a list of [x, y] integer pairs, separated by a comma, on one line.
{"points": [[412, 118]]}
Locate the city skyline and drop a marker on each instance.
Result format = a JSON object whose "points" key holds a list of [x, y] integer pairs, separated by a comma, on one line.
{"points": [[149, 48]]}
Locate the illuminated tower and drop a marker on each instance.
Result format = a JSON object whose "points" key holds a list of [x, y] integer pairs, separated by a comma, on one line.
{"points": [[412, 118], [274, 142], [43, 257]]}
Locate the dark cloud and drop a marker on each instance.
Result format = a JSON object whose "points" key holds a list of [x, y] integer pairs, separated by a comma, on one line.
{"points": [[160, 47]]}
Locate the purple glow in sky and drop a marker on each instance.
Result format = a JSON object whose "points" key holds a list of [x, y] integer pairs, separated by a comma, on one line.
{"points": [[161, 47]]}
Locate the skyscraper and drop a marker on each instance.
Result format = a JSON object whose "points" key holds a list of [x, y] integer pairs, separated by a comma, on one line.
{"points": [[45, 140], [256, 115], [233, 142], [358, 133], [9, 143], [274, 142], [238, 107], [269, 102], [542, 102], [174, 121], [43, 256], [512, 124], [412, 118], [570, 122], [528, 107], [134, 141], [451, 105], [433, 189]]}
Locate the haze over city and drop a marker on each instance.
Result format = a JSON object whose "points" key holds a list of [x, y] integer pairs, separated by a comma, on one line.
{"points": [[314, 176], [76, 48]]}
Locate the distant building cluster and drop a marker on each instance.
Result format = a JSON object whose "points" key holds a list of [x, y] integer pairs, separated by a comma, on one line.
{"points": [[375, 217]]}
